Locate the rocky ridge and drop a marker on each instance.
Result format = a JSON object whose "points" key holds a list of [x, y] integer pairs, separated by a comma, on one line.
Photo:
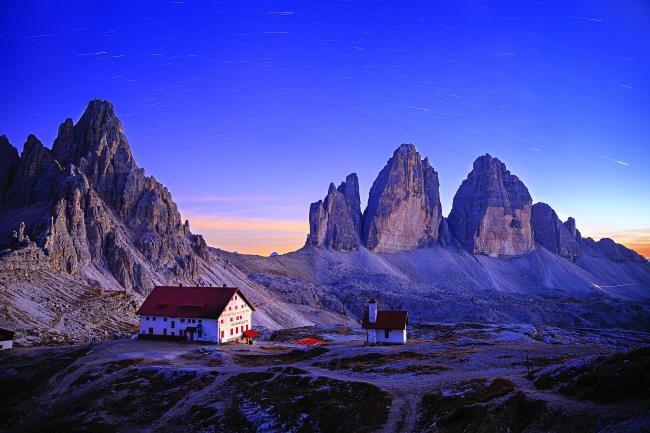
{"points": [[560, 238], [335, 222], [89, 204], [94, 219], [404, 210], [84, 221]]}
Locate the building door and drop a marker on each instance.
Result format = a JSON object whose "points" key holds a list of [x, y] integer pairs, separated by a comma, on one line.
{"points": [[150, 331], [165, 331], [386, 333]]}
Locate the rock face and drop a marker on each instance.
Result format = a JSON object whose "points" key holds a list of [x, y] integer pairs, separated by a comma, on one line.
{"points": [[335, 222], [552, 234], [87, 203], [404, 209], [9, 160], [491, 211], [615, 252], [34, 179]]}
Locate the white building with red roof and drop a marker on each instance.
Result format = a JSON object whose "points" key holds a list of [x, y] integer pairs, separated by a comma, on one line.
{"points": [[210, 314], [388, 327]]}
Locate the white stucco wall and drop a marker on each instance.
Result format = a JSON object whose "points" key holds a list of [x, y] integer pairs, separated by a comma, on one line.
{"points": [[236, 317], [177, 325], [7, 344], [395, 336]]}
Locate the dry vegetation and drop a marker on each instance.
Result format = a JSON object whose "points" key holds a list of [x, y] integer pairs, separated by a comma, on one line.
{"points": [[294, 356], [466, 408], [26, 376], [306, 403], [392, 363], [617, 378]]}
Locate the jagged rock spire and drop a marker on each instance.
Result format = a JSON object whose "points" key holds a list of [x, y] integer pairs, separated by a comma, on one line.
{"points": [[335, 222], [491, 211], [552, 234], [404, 209], [9, 160]]}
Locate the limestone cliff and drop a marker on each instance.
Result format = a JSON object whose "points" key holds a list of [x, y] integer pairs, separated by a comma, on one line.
{"points": [[86, 202], [552, 234], [335, 222], [491, 211], [404, 209]]}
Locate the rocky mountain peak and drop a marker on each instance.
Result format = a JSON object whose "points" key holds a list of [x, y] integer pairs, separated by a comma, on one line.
{"points": [[552, 234], [34, 178], [97, 134], [404, 209], [92, 206], [9, 160], [335, 222], [491, 211]]}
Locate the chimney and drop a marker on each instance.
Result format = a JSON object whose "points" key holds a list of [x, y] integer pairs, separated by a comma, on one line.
{"points": [[372, 311]]}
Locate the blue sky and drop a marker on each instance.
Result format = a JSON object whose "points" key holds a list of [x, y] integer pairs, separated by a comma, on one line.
{"points": [[247, 110]]}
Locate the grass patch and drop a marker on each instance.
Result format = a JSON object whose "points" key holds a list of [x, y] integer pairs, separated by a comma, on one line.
{"points": [[311, 404], [617, 378], [472, 406], [292, 357], [376, 362], [206, 359], [132, 396], [370, 362], [291, 335], [24, 376], [416, 369]]}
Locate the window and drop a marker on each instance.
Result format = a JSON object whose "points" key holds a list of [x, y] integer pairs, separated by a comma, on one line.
{"points": [[221, 334], [235, 297], [151, 331], [165, 319], [230, 331], [173, 333], [147, 317], [182, 320], [222, 321], [154, 319], [173, 324], [200, 321], [237, 329], [200, 332], [386, 333], [229, 308], [247, 327], [165, 331], [231, 319]]}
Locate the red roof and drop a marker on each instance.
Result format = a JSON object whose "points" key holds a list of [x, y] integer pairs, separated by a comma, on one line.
{"points": [[251, 334], [387, 320], [310, 341], [193, 302]]}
